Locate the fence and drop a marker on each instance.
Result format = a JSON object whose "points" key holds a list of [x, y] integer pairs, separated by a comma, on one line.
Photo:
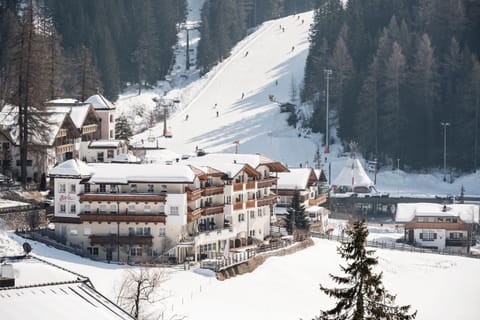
{"points": [[394, 246]]}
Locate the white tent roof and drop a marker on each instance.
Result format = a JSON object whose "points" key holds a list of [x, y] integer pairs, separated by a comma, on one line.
{"points": [[353, 168]]}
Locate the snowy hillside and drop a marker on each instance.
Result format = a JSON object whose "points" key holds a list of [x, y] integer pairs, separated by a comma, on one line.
{"points": [[274, 64]]}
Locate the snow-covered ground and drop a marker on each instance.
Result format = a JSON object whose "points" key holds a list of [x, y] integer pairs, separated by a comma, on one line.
{"points": [[439, 287]]}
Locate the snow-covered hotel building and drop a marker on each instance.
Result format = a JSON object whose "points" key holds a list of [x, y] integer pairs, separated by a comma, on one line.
{"points": [[137, 212], [444, 227]]}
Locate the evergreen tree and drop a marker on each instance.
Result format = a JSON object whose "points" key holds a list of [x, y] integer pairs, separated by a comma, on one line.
{"points": [[296, 214], [362, 294], [123, 130]]}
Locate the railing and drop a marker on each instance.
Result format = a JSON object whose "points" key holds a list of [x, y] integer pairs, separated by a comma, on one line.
{"points": [[237, 205], [250, 204], [193, 195], [394, 246], [93, 217], [120, 240], [437, 225], [269, 200], [194, 214], [137, 197], [268, 182], [213, 209], [460, 242], [64, 148], [90, 128], [210, 191], [317, 201], [62, 133], [238, 186], [250, 184]]}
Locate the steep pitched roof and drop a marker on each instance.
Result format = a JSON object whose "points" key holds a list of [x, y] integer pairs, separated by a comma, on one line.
{"points": [[297, 178], [353, 172], [77, 112], [99, 102]]}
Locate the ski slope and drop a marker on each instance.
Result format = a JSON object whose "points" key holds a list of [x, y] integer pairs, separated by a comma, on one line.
{"points": [[254, 121]]}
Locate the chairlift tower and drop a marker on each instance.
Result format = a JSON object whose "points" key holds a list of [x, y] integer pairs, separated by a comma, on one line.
{"points": [[167, 105], [187, 26]]}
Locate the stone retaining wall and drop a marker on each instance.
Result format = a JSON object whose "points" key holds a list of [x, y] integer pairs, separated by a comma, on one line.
{"points": [[24, 220], [254, 262]]}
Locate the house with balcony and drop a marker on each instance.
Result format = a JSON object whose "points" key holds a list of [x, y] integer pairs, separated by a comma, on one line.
{"points": [[137, 212], [106, 113], [304, 180], [447, 227]]}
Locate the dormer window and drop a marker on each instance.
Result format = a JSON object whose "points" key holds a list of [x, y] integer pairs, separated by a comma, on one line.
{"points": [[133, 188]]}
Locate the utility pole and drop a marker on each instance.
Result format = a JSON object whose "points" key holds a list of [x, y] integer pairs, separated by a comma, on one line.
{"points": [[445, 125], [328, 73]]}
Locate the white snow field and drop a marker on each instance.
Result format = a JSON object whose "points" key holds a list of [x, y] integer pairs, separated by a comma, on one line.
{"points": [[439, 287]]}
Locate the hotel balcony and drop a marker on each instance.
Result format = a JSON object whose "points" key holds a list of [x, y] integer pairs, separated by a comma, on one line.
{"points": [[321, 199], [250, 185], [212, 190], [251, 204], [125, 197], [268, 182], [113, 239], [194, 214], [89, 128], [64, 148], [212, 209], [238, 186], [237, 205], [459, 242], [193, 195], [269, 200], [122, 217]]}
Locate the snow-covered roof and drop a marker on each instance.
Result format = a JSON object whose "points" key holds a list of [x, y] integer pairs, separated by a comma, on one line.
{"points": [[99, 102], [253, 160], [78, 113], [407, 211], [353, 172], [72, 168], [222, 163], [297, 178], [124, 173], [106, 144], [126, 158], [63, 101]]}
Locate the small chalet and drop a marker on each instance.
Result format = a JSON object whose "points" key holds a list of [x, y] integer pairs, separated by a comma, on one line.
{"points": [[444, 227], [304, 180]]}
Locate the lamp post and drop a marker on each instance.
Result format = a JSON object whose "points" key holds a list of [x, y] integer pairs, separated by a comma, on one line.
{"points": [[328, 73], [445, 125]]}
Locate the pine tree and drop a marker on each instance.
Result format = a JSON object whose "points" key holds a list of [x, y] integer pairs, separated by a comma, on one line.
{"points": [[123, 130], [362, 294], [296, 214]]}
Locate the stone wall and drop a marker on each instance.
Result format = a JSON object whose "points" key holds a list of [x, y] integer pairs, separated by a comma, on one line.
{"points": [[256, 261], [24, 219]]}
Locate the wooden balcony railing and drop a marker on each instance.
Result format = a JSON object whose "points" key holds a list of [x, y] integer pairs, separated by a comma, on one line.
{"points": [[459, 242], [268, 182], [213, 209], [89, 128], [64, 148], [250, 204], [113, 239], [193, 195], [436, 225], [318, 201], [237, 205], [267, 201], [238, 186], [210, 191], [62, 133], [193, 215], [132, 197], [122, 217], [250, 185]]}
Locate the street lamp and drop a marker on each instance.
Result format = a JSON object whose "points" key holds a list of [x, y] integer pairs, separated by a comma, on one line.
{"points": [[445, 125], [328, 73]]}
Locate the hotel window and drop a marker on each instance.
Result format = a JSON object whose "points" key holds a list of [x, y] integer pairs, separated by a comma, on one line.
{"points": [[428, 236], [100, 157], [440, 220], [150, 188], [163, 188], [228, 199], [252, 233], [103, 208], [73, 208], [420, 219], [456, 235], [161, 232], [92, 251], [87, 188], [147, 209], [61, 188], [174, 210], [73, 232], [110, 154], [86, 208], [113, 229], [131, 231], [431, 219], [136, 252], [131, 208], [103, 188], [252, 214], [111, 134], [63, 208], [111, 118], [162, 209], [73, 188], [241, 217], [133, 187], [113, 208], [113, 188]]}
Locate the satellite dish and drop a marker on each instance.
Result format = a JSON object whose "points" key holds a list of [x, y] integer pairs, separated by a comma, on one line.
{"points": [[27, 247]]}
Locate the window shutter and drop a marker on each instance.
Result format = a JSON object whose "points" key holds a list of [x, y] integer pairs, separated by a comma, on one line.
{"points": [[434, 236], [421, 236]]}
